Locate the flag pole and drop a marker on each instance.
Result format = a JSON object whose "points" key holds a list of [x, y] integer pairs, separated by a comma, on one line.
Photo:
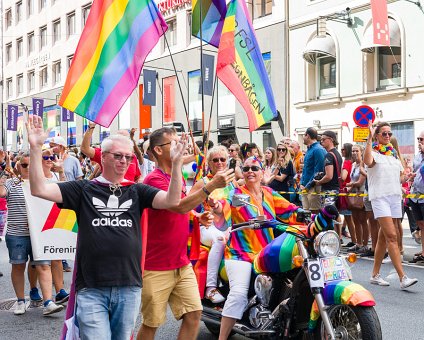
{"points": [[210, 113], [201, 73]]}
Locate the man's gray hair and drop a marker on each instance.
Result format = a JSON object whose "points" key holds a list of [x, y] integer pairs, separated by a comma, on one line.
{"points": [[221, 149], [109, 141]]}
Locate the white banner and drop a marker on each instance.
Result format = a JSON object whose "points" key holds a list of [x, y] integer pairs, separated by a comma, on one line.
{"points": [[53, 231]]}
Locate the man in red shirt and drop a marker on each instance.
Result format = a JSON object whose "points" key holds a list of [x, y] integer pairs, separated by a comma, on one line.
{"points": [[168, 274], [133, 173]]}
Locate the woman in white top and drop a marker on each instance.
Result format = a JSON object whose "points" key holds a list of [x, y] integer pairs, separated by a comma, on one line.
{"points": [[384, 190]]}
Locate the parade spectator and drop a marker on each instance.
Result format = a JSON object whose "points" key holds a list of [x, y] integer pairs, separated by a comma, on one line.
{"points": [[18, 243], [330, 182], [169, 276], [71, 164], [406, 190], [95, 154], [283, 172], [235, 153], [249, 150], [384, 189], [270, 159], [417, 204], [298, 155], [313, 164], [286, 141], [108, 210]]}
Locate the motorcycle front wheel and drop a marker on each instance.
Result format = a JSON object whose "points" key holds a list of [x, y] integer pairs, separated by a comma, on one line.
{"points": [[349, 322]]}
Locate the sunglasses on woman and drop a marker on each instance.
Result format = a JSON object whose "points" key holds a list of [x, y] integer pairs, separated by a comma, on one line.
{"points": [[46, 158], [254, 168], [232, 150], [24, 165], [221, 159], [281, 149], [385, 134]]}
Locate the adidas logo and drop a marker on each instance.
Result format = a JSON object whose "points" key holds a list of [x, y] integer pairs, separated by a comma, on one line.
{"points": [[111, 209]]}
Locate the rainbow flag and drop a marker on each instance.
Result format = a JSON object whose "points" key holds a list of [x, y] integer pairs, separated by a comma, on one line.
{"points": [[62, 219], [116, 40], [210, 19], [241, 68], [200, 167]]}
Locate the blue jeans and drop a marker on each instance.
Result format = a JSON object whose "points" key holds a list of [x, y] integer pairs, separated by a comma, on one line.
{"points": [[108, 312], [20, 250]]}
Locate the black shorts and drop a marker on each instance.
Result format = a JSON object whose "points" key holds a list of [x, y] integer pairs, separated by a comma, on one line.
{"points": [[417, 210]]}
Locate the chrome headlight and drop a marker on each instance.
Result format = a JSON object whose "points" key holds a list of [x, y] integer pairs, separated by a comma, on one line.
{"points": [[327, 244]]}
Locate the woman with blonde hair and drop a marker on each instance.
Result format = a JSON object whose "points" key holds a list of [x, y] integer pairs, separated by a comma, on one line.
{"points": [[283, 172]]}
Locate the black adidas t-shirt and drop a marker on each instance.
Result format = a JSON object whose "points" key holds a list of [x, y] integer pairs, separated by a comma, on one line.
{"points": [[109, 233], [329, 159]]}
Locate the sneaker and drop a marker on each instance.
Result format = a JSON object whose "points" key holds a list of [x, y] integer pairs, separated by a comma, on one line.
{"points": [[354, 248], [50, 307], [349, 245], [62, 296], [378, 280], [362, 250], [368, 253], [34, 295], [407, 282], [416, 236], [345, 233], [417, 259], [386, 259], [66, 267], [20, 308], [214, 296]]}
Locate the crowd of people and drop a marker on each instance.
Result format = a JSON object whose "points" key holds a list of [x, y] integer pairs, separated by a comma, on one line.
{"points": [[146, 176]]}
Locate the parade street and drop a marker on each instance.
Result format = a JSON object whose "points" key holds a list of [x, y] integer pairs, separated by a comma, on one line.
{"points": [[399, 311]]}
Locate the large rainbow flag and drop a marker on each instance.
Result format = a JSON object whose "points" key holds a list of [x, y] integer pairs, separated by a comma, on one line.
{"points": [[241, 68], [116, 40], [210, 19]]}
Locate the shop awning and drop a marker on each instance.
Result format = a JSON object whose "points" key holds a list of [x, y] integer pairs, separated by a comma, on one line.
{"points": [[319, 47], [368, 45]]}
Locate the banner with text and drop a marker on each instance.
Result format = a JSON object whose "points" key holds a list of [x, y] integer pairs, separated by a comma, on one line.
{"points": [[12, 117], [208, 76], [149, 87], [67, 115], [53, 231], [38, 107]]}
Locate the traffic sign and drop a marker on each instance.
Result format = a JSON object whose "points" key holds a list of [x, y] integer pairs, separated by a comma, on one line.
{"points": [[360, 134], [362, 115]]}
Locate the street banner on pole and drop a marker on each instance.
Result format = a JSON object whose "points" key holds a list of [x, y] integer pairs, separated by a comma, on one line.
{"points": [[53, 231], [208, 76], [149, 87], [67, 115], [380, 22], [12, 117], [37, 106]]}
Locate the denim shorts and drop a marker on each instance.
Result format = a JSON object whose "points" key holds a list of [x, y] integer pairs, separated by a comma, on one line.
{"points": [[20, 250]]}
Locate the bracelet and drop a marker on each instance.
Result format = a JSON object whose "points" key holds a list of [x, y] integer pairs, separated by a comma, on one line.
{"points": [[206, 191]]}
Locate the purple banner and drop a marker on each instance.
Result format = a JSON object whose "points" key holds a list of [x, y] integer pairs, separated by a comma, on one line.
{"points": [[67, 116], [38, 106], [12, 117]]}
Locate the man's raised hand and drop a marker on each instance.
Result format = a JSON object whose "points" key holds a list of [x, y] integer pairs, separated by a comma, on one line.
{"points": [[178, 148], [36, 134]]}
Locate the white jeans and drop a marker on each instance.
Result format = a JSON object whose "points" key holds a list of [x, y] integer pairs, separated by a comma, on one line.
{"points": [[215, 239], [238, 273]]}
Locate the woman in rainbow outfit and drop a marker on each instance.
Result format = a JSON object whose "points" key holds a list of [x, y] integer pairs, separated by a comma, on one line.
{"points": [[384, 190], [244, 245]]}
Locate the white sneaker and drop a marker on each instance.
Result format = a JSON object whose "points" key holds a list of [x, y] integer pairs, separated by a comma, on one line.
{"points": [[20, 308], [52, 308], [386, 259], [416, 236], [214, 295], [378, 280], [407, 282]]}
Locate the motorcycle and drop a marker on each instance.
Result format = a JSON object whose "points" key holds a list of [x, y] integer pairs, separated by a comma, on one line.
{"points": [[302, 288]]}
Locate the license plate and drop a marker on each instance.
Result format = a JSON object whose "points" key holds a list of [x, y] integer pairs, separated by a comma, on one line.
{"points": [[333, 268], [315, 273]]}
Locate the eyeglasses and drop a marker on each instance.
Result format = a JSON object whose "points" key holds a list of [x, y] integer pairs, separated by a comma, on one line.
{"points": [[420, 139], [231, 150], [119, 156], [24, 165], [221, 159], [385, 134], [164, 144], [46, 158], [281, 149], [254, 168]]}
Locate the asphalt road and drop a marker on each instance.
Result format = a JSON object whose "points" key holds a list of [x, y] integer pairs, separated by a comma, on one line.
{"points": [[400, 312]]}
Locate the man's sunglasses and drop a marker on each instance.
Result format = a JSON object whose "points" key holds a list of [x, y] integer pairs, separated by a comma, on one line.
{"points": [[24, 165], [46, 158], [420, 139], [281, 149], [119, 156], [254, 168], [385, 134], [221, 159]]}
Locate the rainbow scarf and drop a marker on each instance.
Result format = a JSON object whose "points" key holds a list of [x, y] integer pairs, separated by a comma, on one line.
{"points": [[341, 292], [241, 68], [243, 245], [200, 161], [116, 40], [387, 150], [210, 20]]}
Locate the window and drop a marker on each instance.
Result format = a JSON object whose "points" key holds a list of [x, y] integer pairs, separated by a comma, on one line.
{"points": [[30, 42], [56, 71], [8, 17], [30, 7], [85, 12], [70, 24], [9, 85], [389, 67], [18, 11], [20, 83], [43, 4], [43, 37], [56, 31], [69, 61], [194, 100], [8, 52], [261, 8], [171, 34], [404, 133], [326, 68], [43, 76], [31, 80], [19, 48]]}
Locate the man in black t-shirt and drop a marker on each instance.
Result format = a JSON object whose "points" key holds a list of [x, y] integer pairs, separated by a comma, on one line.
{"points": [[330, 183], [108, 210]]}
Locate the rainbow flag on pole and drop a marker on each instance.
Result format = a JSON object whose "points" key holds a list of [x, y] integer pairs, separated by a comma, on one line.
{"points": [[210, 20], [241, 68], [116, 40]]}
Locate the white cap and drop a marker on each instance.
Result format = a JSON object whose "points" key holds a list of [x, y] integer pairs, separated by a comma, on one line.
{"points": [[58, 140]]}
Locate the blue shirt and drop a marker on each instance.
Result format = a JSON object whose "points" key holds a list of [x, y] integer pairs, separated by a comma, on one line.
{"points": [[418, 185], [312, 163]]}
